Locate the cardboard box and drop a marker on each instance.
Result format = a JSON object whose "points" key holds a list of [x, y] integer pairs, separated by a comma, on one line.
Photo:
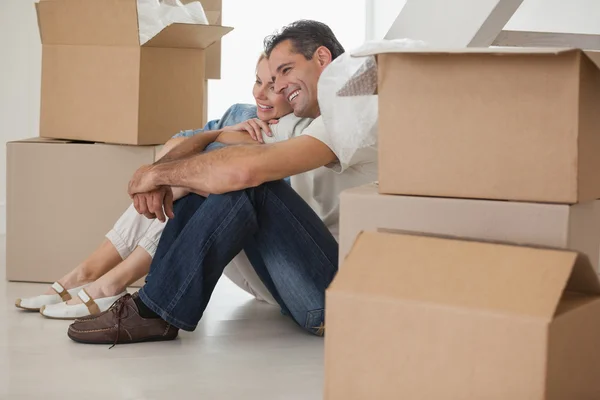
{"points": [[415, 317], [100, 85], [575, 227], [508, 124], [62, 198]]}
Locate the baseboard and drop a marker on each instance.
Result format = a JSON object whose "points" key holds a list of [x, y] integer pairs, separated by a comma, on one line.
{"points": [[2, 218]]}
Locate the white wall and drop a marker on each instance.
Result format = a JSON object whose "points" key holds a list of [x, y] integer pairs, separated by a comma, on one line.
{"points": [[572, 16], [20, 59], [255, 19], [383, 13]]}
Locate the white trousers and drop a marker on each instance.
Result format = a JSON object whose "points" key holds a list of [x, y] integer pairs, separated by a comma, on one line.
{"points": [[133, 229]]}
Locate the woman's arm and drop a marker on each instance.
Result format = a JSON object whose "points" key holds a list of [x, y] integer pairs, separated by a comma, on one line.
{"points": [[191, 146], [235, 137], [235, 117], [196, 144]]}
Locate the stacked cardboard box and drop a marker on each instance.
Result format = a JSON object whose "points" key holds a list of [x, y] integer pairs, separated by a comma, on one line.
{"points": [[107, 103], [477, 147]]}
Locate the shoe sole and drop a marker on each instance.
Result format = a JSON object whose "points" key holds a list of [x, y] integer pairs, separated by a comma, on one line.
{"points": [[27, 309], [60, 318], [18, 305], [145, 340]]}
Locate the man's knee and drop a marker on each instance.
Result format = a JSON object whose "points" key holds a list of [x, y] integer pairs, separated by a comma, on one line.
{"points": [[255, 190], [272, 186], [184, 207]]}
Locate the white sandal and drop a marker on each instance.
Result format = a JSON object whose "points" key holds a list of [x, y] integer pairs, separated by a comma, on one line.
{"points": [[37, 302], [74, 311]]}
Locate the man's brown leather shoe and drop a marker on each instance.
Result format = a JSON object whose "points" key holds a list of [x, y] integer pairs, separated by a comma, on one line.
{"points": [[121, 324]]}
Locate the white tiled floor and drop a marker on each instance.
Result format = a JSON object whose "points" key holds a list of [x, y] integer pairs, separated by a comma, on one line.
{"points": [[243, 349]]}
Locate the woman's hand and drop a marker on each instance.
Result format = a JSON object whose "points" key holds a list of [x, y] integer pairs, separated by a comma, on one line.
{"points": [[254, 127]]}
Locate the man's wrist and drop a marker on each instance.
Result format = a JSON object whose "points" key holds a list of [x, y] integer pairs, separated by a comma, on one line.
{"points": [[161, 174], [155, 174]]}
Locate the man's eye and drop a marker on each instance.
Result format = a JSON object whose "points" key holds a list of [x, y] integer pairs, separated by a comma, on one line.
{"points": [[286, 70]]}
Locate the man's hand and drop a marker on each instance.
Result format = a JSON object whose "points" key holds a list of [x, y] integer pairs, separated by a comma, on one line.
{"points": [[155, 204], [253, 127], [142, 181]]}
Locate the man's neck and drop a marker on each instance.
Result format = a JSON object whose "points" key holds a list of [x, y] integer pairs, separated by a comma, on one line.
{"points": [[316, 113]]}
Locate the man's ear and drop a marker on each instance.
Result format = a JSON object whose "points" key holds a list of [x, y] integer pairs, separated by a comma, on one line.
{"points": [[323, 56]]}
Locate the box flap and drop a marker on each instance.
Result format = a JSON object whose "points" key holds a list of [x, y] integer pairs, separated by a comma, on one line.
{"points": [[208, 5], [212, 8], [468, 50], [84, 22], [211, 5], [594, 56], [459, 273], [213, 17], [188, 36], [584, 278], [214, 14]]}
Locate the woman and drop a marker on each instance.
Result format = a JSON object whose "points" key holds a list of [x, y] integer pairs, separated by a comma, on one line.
{"points": [[126, 253]]}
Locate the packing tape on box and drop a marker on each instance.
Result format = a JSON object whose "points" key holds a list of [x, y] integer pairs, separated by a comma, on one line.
{"points": [[347, 96], [156, 15]]}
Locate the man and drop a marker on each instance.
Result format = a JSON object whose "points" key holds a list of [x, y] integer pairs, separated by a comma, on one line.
{"points": [[287, 234]]}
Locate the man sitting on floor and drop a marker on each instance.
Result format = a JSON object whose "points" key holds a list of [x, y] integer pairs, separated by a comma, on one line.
{"points": [[242, 203]]}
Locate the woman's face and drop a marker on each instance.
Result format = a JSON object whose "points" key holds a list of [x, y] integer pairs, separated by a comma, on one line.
{"points": [[269, 105]]}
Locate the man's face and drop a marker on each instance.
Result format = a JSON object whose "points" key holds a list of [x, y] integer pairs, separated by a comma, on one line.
{"points": [[296, 78]]}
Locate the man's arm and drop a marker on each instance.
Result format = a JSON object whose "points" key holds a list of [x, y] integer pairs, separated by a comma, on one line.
{"points": [[239, 167], [141, 178]]}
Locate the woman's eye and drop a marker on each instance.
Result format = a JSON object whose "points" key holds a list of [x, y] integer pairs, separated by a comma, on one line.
{"points": [[271, 88], [258, 82]]}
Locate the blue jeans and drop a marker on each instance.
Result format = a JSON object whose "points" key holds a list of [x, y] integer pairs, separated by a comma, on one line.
{"points": [[288, 245]]}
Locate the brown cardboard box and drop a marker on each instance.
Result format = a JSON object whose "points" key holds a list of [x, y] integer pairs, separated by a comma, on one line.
{"points": [[575, 227], [415, 317], [62, 198], [508, 124], [99, 85]]}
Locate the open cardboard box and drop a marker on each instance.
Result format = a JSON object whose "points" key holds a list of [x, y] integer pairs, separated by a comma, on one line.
{"points": [[417, 317], [508, 124], [99, 84], [214, 14]]}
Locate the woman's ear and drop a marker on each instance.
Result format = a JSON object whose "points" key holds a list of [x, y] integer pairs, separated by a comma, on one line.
{"points": [[323, 56]]}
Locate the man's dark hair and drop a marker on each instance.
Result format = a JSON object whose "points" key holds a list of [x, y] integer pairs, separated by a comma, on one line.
{"points": [[306, 37]]}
